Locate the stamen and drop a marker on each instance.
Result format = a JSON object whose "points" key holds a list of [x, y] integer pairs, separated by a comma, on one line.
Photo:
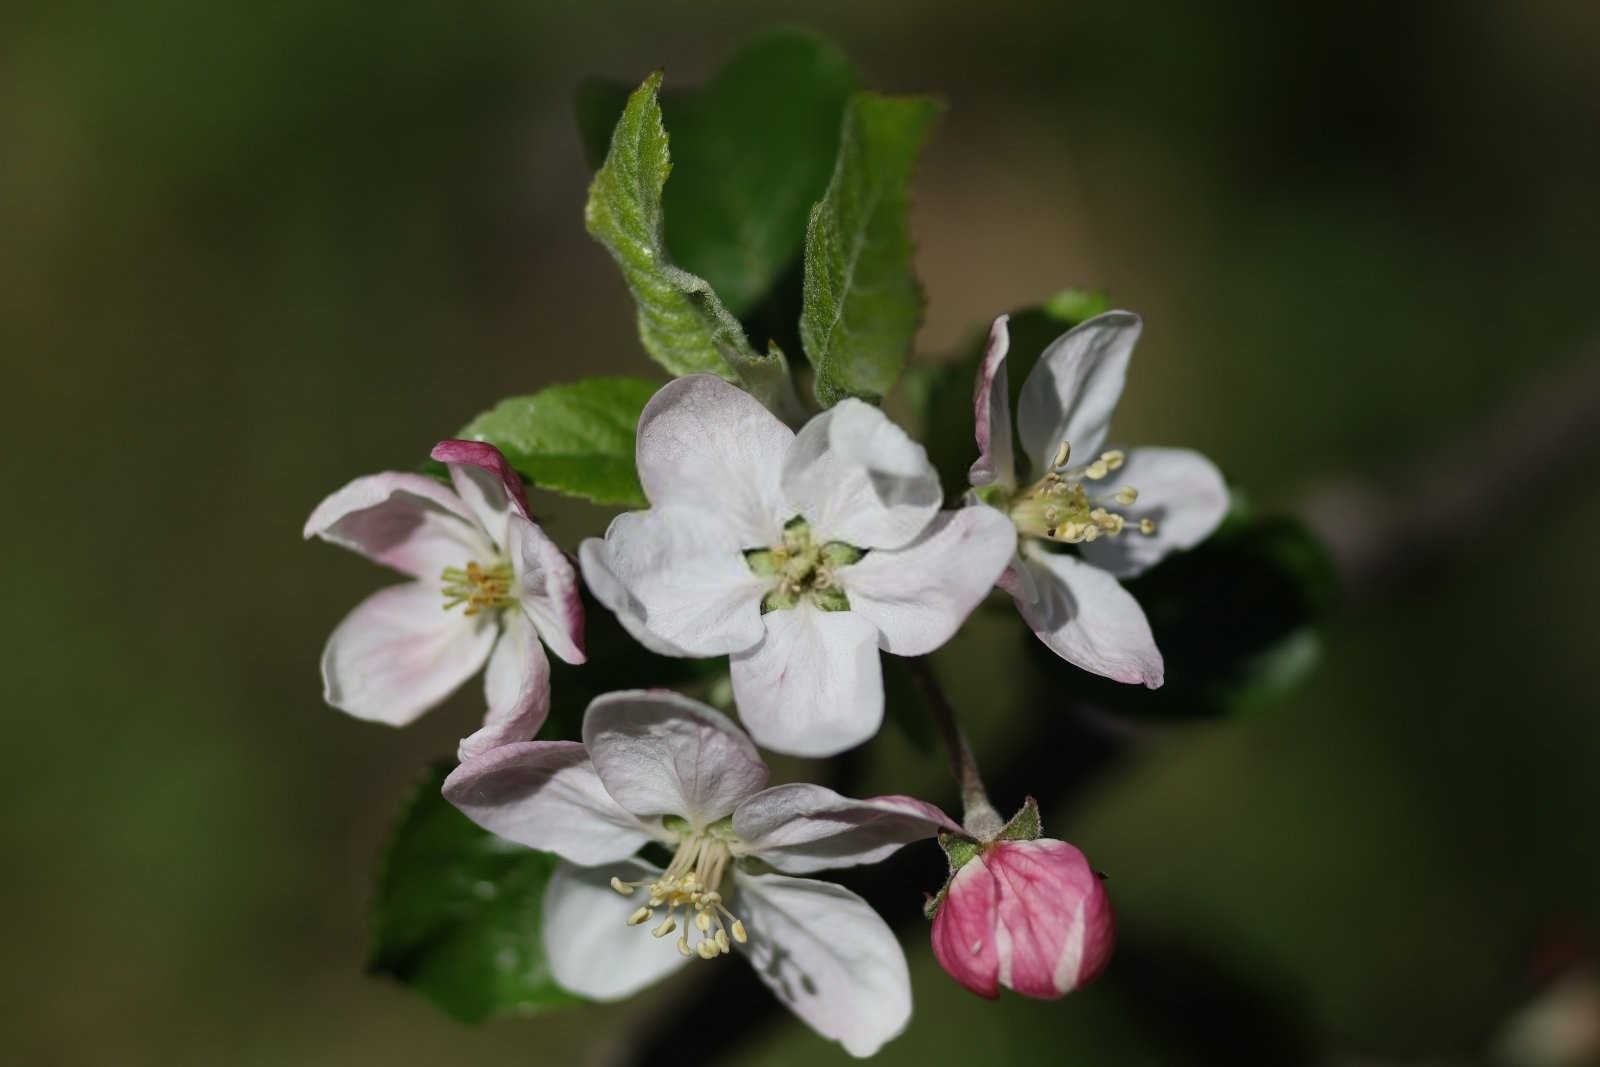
{"points": [[1060, 507], [1063, 452], [667, 926], [738, 931], [801, 567], [691, 882], [1126, 495], [643, 915], [480, 588]]}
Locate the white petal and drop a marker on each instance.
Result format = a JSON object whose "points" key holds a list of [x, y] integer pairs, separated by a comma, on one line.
{"points": [[919, 595], [1017, 579], [595, 560], [1088, 619], [1181, 491], [1074, 388], [661, 753], [857, 478], [828, 956], [813, 686], [485, 481], [800, 828], [991, 410], [709, 446], [547, 587], [546, 795], [399, 653], [690, 576], [593, 952], [517, 687], [406, 521]]}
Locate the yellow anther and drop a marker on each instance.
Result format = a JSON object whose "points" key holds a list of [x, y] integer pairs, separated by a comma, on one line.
{"points": [[1091, 533], [738, 931], [1126, 495], [1147, 526], [683, 945], [702, 921], [722, 940], [622, 887], [667, 926], [707, 949], [1114, 458], [1096, 470], [1063, 451], [640, 916]]}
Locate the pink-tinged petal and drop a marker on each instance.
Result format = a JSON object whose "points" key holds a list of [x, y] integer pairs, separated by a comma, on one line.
{"points": [[406, 521], [399, 653], [827, 956], [661, 753], [517, 687], [1088, 619], [1054, 928], [546, 587], [1017, 579], [991, 410], [1181, 491], [708, 446], [857, 478], [592, 950], [546, 795], [800, 828], [918, 596], [964, 930], [1072, 391], [813, 686], [485, 481], [594, 559], [690, 576]]}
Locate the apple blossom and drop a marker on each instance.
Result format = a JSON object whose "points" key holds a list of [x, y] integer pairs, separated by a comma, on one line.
{"points": [[407, 647], [797, 555], [1120, 512], [1021, 911], [658, 767]]}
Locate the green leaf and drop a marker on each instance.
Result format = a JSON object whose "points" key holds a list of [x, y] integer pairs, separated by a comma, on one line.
{"points": [[457, 914], [575, 438], [683, 325], [862, 301], [1237, 620], [944, 392]]}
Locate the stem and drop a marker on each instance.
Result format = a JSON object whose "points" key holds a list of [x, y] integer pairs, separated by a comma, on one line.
{"points": [[977, 814]]}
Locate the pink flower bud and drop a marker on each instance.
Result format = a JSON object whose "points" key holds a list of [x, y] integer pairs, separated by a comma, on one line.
{"points": [[1028, 915]]}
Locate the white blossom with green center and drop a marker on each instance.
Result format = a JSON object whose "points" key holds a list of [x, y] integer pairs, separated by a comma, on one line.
{"points": [[656, 769], [798, 555], [1084, 523]]}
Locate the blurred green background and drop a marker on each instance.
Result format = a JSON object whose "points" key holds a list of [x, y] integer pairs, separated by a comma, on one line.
{"points": [[252, 251]]}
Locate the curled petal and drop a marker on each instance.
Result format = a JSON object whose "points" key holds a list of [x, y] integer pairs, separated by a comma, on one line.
{"points": [[707, 446], [1073, 390], [828, 957], [546, 588], [399, 653], [800, 828], [991, 409], [485, 481], [593, 952], [406, 521], [661, 753], [857, 478], [1088, 619], [919, 595], [546, 795], [690, 576], [813, 686], [1181, 491], [517, 687]]}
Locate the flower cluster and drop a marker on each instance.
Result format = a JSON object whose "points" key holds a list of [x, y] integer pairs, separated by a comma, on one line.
{"points": [[800, 555]]}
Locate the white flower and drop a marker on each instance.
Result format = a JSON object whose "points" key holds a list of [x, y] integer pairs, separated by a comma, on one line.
{"points": [[655, 766], [406, 648], [1122, 511], [798, 555]]}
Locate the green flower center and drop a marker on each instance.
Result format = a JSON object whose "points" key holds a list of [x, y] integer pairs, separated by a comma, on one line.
{"points": [[802, 569], [1066, 506]]}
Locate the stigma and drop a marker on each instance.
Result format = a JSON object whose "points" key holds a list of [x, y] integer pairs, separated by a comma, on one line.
{"points": [[480, 588], [1069, 506], [692, 884], [802, 568]]}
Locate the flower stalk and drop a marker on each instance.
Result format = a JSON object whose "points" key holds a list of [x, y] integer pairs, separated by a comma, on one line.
{"points": [[978, 816]]}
